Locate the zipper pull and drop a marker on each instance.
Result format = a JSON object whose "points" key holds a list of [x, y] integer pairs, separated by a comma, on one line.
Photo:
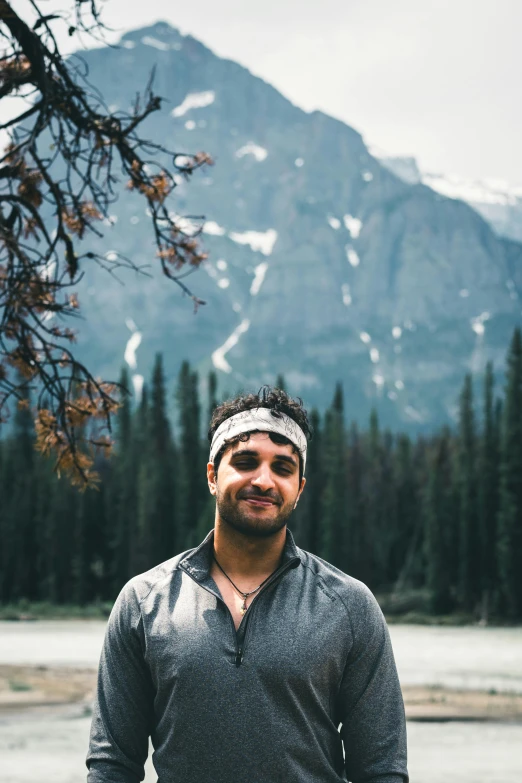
{"points": [[239, 656]]}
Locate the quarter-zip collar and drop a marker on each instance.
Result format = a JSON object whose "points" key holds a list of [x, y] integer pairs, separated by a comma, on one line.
{"points": [[197, 562]]}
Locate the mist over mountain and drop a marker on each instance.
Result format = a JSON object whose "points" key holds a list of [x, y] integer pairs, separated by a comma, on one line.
{"points": [[324, 265], [499, 203]]}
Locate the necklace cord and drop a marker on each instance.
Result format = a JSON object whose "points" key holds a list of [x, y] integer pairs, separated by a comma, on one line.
{"points": [[236, 588]]}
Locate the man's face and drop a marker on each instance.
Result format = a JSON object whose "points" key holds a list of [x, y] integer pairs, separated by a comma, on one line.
{"points": [[257, 486]]}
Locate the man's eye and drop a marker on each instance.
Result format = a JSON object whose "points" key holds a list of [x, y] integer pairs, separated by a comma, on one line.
{"points": [[283, 469], [245, 464]]}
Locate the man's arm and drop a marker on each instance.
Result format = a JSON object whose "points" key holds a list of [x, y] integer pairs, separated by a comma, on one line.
{"points": [[370, 704], [124, 705]]}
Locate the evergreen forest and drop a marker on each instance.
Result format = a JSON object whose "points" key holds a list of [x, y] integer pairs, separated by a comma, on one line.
{"points": [[432, 523]]}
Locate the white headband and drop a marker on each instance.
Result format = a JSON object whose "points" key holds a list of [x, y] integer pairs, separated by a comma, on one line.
{"points": [[263, 420]]}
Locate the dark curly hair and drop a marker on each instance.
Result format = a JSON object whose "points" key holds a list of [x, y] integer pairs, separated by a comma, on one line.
{"points": [[277, 401]]}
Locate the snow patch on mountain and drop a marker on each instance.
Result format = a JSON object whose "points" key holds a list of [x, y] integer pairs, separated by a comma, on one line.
{"points": [[218, 356], [211, 227], [413, 414], [133, 343], [499, 203], [186, 225], [47, 271], [478, 323], [163, 46], [353, 225], [211, 272], [259, 153], [488, 191], [352, 256], [194, 100], [259, 276], [347, 297], [138, 381], [259, 241]]}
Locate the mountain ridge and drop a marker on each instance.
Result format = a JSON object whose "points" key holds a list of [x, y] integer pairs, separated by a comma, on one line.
{"points": [[499, 203], [324, 265]]}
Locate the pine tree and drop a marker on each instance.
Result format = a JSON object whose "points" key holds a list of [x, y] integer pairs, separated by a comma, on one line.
{"points": [[119, 481], [98, 562], [469, 591], [358, 554], [488, 492], [3, 519], [406, 512], [333, 515], [372, 503], [306, 519], [193, 492], [44, 480], [412, 572], [79, 563], [440, 520], [19, 560], [509, 541], [60, 542], [387, 519], [212, 394], [159, 456], [139, 532]]}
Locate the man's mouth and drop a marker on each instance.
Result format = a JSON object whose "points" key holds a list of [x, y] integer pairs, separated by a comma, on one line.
{"points": [[255, 500]]}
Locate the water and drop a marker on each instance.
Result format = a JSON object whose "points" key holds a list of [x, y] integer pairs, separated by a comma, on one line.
{"points": [[52, 746], [470, 657], [32, 751], [54, 643]]}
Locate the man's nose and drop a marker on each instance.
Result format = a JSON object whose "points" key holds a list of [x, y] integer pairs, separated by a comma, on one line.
{"points": [[263, 478]]}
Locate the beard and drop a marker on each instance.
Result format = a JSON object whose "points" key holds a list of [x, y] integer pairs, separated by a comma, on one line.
{"points": [[250, 523]]}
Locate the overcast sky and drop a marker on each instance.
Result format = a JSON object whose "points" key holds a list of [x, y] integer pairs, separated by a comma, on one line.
{"points": [[437, 79]]}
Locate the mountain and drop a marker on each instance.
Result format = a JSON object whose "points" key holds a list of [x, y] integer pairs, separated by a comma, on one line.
{"points": [[499, 203], [324, 265]]}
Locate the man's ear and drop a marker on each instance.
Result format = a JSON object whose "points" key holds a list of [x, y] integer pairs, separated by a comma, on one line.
{"points": [[212, 479], [303, 482]]}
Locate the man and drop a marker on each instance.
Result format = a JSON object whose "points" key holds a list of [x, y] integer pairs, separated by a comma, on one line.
{"points": [[248, 660]]}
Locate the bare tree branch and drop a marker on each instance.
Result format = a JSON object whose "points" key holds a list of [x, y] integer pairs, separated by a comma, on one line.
{"points": [[59, 176]]}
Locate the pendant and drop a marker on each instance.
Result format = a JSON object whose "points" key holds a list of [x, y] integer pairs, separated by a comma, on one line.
{"points": [[244, 607]]}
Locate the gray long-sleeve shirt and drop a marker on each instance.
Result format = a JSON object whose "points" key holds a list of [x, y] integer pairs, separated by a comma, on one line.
{"points": [[260, 705]]}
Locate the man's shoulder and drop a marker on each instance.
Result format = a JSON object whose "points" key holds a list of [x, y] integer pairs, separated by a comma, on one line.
{"points": [[352, 593], [155, 579]]}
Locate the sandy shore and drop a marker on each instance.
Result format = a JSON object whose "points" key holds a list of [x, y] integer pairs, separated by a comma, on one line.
{"points": [[25, 688], [443, 704]]}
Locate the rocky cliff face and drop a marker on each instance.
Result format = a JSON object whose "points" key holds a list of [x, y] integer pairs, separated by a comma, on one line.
{"points": [[324, 264], [499, 203]]}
